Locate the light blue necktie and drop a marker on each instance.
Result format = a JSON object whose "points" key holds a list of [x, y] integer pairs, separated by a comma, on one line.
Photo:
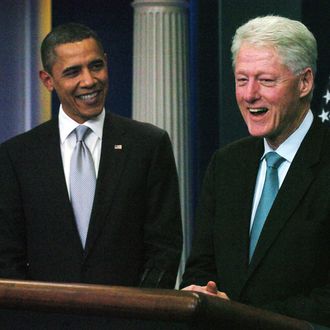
{"points": [[267, 198], [82, 182]]}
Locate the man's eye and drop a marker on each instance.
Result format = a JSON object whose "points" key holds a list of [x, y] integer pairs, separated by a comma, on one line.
{"points": [[70, 73], [97, 66], [267, 82], [241, 81]]}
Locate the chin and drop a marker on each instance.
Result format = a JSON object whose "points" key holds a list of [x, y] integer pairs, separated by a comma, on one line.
{"points": [[259, 129], [257, 133], [91, 113]]}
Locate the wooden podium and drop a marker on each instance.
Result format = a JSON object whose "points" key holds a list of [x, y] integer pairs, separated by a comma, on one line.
{"points": [[41, 305]]}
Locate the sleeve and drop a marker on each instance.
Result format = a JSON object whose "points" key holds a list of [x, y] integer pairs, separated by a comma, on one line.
{"points": [[13, 261], [200, 267], [163, 227]]}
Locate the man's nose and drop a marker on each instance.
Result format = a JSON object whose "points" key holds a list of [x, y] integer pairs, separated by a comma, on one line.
{"points": [[87, 79], [252, 91]]}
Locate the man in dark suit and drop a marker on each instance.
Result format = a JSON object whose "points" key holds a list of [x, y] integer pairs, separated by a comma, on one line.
{"points": [[284, 266], [134, 235]]}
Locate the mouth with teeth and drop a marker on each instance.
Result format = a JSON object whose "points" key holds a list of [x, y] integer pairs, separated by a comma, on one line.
{"points": [[89, 98], [257, 111]]}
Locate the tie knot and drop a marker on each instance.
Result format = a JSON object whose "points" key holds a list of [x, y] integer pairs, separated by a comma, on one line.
{"points": [[81, 132], [274, 160]]}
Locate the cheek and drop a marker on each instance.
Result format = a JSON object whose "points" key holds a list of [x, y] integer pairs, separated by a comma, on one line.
{"points": [[240, 102], [67, 90], [105, 78], [282, 96], [283, 104], [238, 94]]}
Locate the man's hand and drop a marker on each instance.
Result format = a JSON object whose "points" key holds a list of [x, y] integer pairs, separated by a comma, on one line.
{"points": [[210, 289]]}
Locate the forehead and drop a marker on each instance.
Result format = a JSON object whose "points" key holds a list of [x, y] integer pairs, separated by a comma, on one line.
{"points": [[251, 57], [79, 51]]}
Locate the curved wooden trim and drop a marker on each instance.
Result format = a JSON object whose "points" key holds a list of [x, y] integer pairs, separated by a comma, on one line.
{"points": [[135, 303]]}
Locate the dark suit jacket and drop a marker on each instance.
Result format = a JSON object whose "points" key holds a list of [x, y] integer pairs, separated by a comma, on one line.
{"points": [[290, 270], [134, 236]]}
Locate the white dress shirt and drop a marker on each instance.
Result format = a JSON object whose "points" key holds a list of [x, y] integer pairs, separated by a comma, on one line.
{"points": [[68, 140], [287, 150]]}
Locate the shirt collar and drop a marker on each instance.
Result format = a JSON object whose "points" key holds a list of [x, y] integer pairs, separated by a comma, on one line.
{"points": [[290, 146], [67, 124]]}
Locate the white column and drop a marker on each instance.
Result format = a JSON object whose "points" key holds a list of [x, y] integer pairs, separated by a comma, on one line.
{"points": [[160, 81]]}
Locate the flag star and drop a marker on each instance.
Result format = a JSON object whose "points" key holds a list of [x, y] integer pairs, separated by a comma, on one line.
{"points": [[327, 97], [324, 116]]}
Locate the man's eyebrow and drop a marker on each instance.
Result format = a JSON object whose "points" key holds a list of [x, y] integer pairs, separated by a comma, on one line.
{"points": [[97, 61], [71, 68]]}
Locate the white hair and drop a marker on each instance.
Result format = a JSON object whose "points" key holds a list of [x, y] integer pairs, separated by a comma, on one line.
{"points": [[292, 40]]}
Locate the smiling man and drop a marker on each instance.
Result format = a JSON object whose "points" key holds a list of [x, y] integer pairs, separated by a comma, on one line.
{"points": [[263, 223], [89, 196], [79, 75]]}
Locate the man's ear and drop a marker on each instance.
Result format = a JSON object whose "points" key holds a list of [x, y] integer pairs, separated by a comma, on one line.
{"points": [[46, 79], [306, 82]]}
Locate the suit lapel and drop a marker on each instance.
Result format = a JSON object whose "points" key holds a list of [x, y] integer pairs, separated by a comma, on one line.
{"points": [[246, 190], [113, 155], [234, 260], [49, 165], [294, 187]]}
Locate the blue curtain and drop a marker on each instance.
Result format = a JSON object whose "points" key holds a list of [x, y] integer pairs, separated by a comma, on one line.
{"points": [[20, 93]]}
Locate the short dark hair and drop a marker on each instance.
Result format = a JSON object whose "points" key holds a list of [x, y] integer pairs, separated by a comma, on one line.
{"points": [[62, 34]]}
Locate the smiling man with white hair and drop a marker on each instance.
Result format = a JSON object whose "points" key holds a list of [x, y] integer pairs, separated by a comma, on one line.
{"points": [[263, 223]]}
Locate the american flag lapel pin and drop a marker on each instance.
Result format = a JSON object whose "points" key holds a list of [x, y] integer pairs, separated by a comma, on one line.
{"points": [[118, 147]]}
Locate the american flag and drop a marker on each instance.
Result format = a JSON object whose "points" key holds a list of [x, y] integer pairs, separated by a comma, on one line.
{"points": [[325, 105]]}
